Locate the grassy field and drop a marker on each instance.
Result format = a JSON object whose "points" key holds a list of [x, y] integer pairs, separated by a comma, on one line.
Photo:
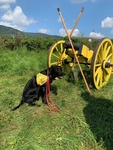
{"points": [[83, 122]]}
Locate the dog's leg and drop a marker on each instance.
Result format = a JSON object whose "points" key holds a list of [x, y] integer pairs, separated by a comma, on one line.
{"points": [[43, 94], [33, 104], [44, 99], [32, 99]]}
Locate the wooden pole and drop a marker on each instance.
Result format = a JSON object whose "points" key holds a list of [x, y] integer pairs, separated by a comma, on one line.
{"points": [[76, 21], [73, 50]]}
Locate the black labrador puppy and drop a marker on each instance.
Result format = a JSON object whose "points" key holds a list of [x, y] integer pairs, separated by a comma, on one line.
{"points": [[36, 86]]}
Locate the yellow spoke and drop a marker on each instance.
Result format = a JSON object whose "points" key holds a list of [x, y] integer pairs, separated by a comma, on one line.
{"points": [[97, 65], [98, 76], [101, 52], [107, 51], [104, 50], [97, 72], [101, 74], [61, 47], [55, 55], [109, 56], [106, 71], [54, 63], [57, 50], [104, 75], [99, 58]]}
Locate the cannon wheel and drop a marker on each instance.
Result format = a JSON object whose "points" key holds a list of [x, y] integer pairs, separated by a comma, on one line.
{"points": [[57, 55], [103, 54]]}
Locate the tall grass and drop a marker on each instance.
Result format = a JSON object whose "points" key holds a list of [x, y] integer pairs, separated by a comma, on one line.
{"points": [[21, 61], [83, 122]]}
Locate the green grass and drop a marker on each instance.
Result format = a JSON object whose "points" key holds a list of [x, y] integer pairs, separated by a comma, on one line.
{"points": [[83, 122]]}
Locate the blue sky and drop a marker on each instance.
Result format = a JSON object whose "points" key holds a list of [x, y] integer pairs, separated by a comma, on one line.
{"points": [[42, 16]]}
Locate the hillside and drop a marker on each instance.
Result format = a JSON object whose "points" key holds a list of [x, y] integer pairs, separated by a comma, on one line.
{"points": [[8, 31], [11, 32]]}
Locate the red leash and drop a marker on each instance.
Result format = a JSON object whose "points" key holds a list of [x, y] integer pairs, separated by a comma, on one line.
{"points": [[50, 103]]}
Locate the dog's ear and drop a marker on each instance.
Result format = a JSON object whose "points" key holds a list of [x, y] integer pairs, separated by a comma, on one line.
{"points": [[55, 69], [52, 68], [49, 70]]}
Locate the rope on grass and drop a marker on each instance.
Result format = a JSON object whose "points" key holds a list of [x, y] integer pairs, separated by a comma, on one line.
{"points": [[49, 101]]}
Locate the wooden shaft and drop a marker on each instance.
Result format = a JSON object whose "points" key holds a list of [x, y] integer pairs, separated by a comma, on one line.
{"points": [[74, 50], [78, 18], [76, 21]]}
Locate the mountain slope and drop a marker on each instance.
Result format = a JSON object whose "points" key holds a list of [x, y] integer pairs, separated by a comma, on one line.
{"points": [[8, 31]]}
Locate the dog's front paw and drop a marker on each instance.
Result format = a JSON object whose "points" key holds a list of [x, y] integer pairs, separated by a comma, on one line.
{"points": [[44, 102], [33, 104]]}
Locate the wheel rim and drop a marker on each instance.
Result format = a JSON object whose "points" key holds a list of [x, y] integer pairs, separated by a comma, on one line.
{"points": [[56, 56], [102, 56]]}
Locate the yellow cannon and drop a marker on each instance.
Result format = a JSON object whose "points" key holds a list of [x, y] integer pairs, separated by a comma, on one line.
{"points": [[99, 60]]}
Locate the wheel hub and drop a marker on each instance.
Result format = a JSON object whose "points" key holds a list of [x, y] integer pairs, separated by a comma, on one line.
{"points": [[106, 64]]}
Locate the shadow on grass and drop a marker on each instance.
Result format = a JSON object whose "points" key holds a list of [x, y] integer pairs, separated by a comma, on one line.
{"points": [[99, 116], [76, 76], [54, 89]]}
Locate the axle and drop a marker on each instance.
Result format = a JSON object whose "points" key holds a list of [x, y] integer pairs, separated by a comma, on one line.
{"points": [[106, 64]]}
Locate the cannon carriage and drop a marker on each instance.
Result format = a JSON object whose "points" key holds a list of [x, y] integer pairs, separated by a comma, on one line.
{"points": [[99, 60]]}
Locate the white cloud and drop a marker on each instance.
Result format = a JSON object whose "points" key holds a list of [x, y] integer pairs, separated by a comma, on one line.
{"points": [[8, 24], [7, 1], [107, 23], [16, 18], [5, 7], [59, 19], [96, 35], [78, 1], [63, 33], [43, 30]]}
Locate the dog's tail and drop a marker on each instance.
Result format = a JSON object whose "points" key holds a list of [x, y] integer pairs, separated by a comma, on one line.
{"points": [[21, 103]]}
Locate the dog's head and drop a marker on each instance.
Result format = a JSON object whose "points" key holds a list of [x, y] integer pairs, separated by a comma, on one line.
{"points": [[56, 72]]}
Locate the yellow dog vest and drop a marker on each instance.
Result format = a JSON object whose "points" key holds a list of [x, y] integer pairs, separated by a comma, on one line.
{"points": [[41, 79]]}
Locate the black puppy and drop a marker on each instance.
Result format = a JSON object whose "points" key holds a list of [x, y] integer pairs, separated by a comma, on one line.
{"points": [[36, 86]]}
